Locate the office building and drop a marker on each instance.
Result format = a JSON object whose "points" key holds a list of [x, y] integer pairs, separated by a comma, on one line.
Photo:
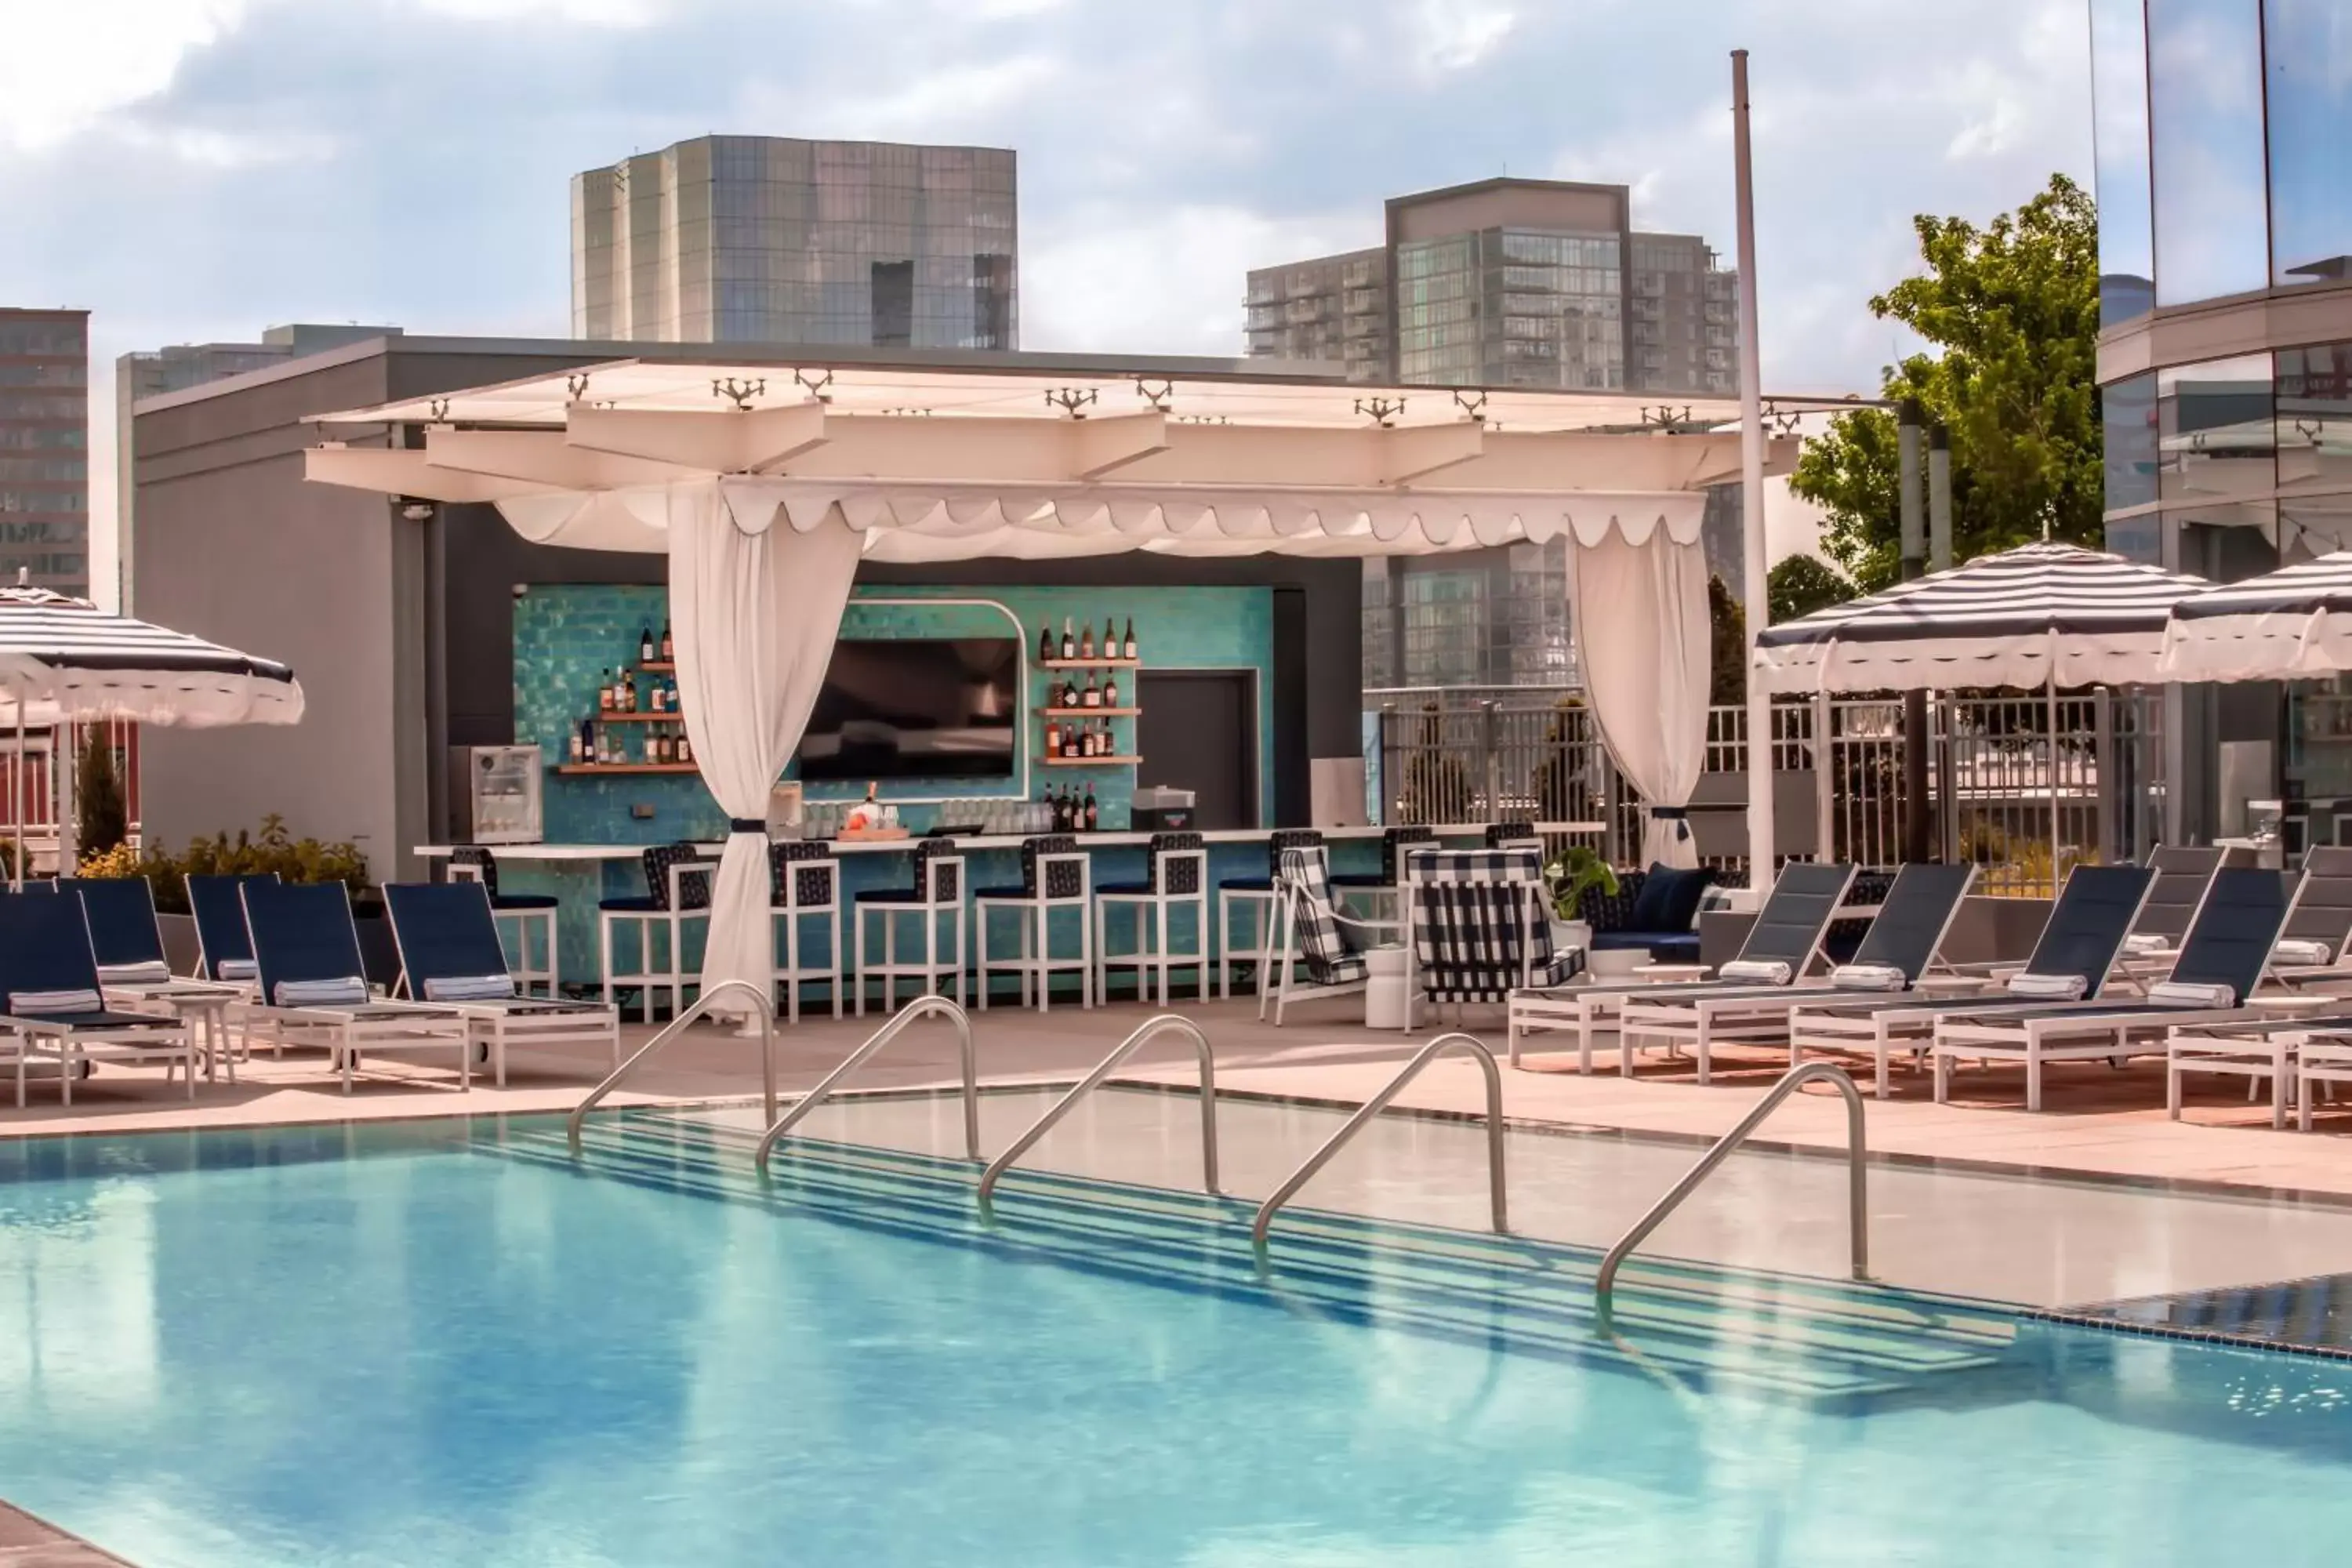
{"points": [[2225, 347], [763, 240], [45, 448], [1537, 283], [151, 373]]}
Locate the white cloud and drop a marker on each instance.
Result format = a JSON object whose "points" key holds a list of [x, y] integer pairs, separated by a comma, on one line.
{"points": [[67, 66], [581, 12], [1453, 34]]}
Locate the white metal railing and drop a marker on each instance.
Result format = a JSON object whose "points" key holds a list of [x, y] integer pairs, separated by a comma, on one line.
{"points": [[921, 1007], [762, 1005], [1165, 1023]]}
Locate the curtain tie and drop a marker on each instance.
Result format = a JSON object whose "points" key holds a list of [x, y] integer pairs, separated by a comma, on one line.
{"points": [[748, 825], [1677, 815]]}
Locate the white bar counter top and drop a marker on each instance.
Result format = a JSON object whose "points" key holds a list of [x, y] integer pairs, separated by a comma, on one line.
{"points": [[1123, 840]]}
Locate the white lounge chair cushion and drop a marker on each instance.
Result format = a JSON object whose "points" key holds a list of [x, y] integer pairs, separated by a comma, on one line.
{"points": [[2301, 950], [154, 972], [469, 988], [237, 969], [2142, 943], [2187, 993], [2048, 987], [351, 991], [1759, 971], [24, 1001], [1869, 977]]}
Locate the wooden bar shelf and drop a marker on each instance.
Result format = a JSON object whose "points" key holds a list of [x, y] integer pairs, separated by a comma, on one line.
{"points": [[576, 769], [638, 716], [1082, 664], [1091, 713], [1090, 762], [658, 666]]}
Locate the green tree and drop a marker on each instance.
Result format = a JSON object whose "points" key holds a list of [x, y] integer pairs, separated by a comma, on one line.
{"points": [[101, 818], [1801, 584], [1727, 645], [2011, 311]]}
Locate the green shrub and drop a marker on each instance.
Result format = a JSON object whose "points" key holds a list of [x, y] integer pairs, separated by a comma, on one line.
{"points": [[273, 849], [101, 820]]}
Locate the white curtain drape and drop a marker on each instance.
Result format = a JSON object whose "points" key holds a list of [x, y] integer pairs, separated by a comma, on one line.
{"points": [[755, 615], [1639, 614]]}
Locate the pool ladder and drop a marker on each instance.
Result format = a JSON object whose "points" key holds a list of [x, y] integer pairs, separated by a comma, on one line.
{"points": [[1166, 1023], [919, 1009]]}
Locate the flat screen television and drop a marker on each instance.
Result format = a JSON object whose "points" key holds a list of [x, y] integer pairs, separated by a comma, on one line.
{"points": [[915, 708]]}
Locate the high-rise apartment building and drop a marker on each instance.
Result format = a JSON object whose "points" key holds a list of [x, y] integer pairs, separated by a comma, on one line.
{"points": [[151, 373], [762, 239], [45, 448], [1538, 283]]}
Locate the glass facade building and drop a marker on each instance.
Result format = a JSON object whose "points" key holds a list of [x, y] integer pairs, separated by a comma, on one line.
{"points": [[2224, 162], [45, 448], [761, 239]]}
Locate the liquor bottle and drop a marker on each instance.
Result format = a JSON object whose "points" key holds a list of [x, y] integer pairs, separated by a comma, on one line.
{"points": [[669, 648], [1128, 649], [1070, 692], [1053, 800], [605, 692], [661, 744], [1045, 644], [1111, 690], [1094, 813], [685, 752], [645, 644], [1110, 638], [659, 697], [1087, 641], [1053, 738], [1093, 693], [579, 745], [627, 702], [1069, 640]]}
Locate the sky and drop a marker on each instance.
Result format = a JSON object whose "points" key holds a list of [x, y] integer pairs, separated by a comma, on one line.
{"points": [[196, 169]]}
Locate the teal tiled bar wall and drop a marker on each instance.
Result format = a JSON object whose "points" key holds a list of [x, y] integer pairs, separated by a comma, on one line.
{"points": [[565, 635]]}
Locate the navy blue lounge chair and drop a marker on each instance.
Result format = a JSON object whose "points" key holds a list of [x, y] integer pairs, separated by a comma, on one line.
{"points": [[223, 949], [50, 993], [313, 988], [450, 953]]}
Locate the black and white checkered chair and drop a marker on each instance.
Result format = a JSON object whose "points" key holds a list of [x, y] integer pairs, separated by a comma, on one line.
{"points": [[937, 896], [677, 893], [1176, 877], [805, 887], [472, 861], [1311, 934], [1056, 873], [1479, 929], [1254, 896], [1380, 890], [1514, 835]]}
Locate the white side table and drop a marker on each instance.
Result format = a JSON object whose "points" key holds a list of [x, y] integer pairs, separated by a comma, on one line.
{"points": [[1385, 989]]}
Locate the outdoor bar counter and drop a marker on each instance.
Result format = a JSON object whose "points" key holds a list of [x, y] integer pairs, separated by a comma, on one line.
{"points": [[582, 874]]}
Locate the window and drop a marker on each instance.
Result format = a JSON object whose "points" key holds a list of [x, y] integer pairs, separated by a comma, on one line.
{"points": [[2119, 129], [2205, 124], [2308, 62]]}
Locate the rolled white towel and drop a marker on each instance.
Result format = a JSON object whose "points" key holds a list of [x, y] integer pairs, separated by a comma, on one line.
{"points": [[237, 969], [154, 972], [469, 988], [1759, 970], [2301, 950], [350, 991], [54, 1002], [1869, 977], [2189, 994], [2047, 988], [2143, 944]]}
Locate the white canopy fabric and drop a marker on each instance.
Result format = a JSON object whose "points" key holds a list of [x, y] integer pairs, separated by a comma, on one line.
{"points": [[2286, 625], [765, 500], [2038, 616], [1640, 618]]}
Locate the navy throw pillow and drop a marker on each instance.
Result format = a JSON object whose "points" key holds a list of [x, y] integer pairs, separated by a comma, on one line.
{"points": [[1669, 899]]}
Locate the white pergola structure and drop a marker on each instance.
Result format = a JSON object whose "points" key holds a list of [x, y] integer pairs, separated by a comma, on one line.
{"points": [[765, 484]]}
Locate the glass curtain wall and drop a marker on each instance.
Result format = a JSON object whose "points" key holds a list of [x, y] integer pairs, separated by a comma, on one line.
{"points": [[2206, 141], [2119, 128], [2307, 72]]}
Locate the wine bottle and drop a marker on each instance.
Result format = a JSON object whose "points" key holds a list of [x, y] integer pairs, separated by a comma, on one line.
{"points": [[1053, 738], [669, 647], [578, 746], [1128, 651], [1093, 698], [685, 747], [1111, 690], [1094, 813], [1045, 644], [1069, 640], [605, 692], [1110, 638], [1070, 692], [1087, 641], [628, 700], [645, 644]]}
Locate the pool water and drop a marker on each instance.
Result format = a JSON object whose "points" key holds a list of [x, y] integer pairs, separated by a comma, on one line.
{"points": [[447, 1344]]}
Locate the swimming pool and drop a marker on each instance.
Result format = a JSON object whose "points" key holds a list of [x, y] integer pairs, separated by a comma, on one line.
{"points": [[443, 1342]]}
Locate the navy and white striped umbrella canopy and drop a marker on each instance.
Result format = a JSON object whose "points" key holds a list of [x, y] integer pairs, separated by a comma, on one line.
{"points": [[2295, 621], [63, 659], [2014, 620]]}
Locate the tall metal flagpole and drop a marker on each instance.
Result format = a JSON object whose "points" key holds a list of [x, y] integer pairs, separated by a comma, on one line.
{"points": [[1760, 863]]}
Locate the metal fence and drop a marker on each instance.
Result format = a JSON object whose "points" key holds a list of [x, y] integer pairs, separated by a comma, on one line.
{"points": [[2002, 790]]}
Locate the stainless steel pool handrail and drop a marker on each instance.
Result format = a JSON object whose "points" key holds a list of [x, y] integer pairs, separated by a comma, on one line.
{"points": [[921, 1007], [1103, 1069], [1477, 1050], [1604, 1284], [670, 1031]]}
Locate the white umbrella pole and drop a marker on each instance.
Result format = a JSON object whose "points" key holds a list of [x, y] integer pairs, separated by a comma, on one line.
{"points": [[16, 783], [1751, 488], [2051, 698], [66, 738]]}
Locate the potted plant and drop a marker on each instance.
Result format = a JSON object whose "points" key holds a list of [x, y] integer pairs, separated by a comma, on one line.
{"points": [[1569, 877]]}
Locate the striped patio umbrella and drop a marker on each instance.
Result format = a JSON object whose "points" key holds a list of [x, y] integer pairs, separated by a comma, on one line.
{"points": [[2284, 624], [2041, 616], [64, 660]]}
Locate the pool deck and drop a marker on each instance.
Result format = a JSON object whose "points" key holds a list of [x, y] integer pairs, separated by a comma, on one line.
{"points": [[26, 1542], [2098, 1121]]}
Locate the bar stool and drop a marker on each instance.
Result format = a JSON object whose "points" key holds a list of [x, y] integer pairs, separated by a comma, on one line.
{"points": [[475, 863], [678, 890], [1177, 877], [804, 884], [1056, 873], [1254, 896], [938, 890], [1380, 888]]}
